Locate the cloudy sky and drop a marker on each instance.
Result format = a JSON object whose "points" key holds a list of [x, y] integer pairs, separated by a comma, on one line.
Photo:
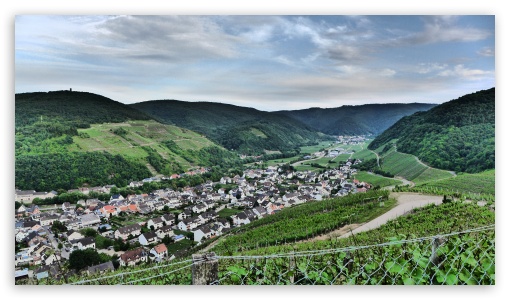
{"points": [[267, 62]]}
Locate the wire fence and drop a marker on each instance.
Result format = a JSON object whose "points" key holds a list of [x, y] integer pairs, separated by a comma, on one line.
{"points": [[459, 258]]}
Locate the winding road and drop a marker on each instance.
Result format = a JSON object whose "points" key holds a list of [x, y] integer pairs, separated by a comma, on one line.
{"points": [[406, 202]]}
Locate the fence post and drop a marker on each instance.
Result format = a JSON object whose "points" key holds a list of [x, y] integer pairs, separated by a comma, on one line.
{"points": [[436, 243], [204, 269]]}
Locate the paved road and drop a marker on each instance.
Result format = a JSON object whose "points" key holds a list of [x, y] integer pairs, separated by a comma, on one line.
{"points": [[406, 202]]}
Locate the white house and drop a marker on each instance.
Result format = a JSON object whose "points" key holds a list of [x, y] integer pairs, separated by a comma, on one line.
{"points": [[148, 238], [158, 252], [203, 232]]}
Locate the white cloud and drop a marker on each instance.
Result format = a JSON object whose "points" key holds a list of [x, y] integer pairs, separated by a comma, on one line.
{"points": [[426, 68], [486, 51], [388, 72], [463, 72]]}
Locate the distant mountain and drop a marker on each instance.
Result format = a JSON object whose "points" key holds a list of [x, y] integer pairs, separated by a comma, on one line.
{"points": [[246, 130], [355, 120], [457, 135]]}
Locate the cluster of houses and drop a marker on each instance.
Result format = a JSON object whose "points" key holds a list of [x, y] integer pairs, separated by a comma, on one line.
{"points": [[257, 193], [351, 139]]}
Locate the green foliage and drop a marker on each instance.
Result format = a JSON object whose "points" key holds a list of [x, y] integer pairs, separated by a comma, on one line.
{"points": [[80, 259], [376, 180], [458, 135], [306, 220], [79, 108], [355, 120], [58, 227], [46, 172], [88, 232], [484, 183], [243, 129]]}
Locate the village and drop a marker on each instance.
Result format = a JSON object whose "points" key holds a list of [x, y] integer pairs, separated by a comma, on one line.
{"points": [[164, 224]]}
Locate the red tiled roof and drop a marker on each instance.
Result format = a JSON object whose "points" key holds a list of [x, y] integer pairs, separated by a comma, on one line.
{"points": [[160, 248]]}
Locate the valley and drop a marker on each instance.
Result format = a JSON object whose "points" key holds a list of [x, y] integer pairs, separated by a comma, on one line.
{"points": [[188, 180]]}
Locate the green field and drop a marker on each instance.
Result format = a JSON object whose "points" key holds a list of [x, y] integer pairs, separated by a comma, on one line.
{"points": [[315, 148], [363, 155], [432, 174], [101, 137], [376, 180], [279, 161], [484, 183]]}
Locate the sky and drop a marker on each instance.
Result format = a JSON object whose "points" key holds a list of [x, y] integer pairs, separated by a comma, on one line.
{"points": [[269, 62]]}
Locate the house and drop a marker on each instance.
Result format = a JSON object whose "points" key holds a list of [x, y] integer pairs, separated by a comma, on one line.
{"points": [[46, 271], [101, 268], [21, 274], [49, 219], [165, 231], [199, 208], [155, 223], [108, 211], [115, 198], [184, 215], [260, 212], [73, 235], [169, 219], [203, 232], [84, 243], [66, 206], [89, 220], [189, 224], [148, 238], [131, 257], [125, 231], [240, 219], [158, 252]]}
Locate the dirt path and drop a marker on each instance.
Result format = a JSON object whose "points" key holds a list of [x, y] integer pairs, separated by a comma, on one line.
{"points": [[406, 203], [377, 155]]}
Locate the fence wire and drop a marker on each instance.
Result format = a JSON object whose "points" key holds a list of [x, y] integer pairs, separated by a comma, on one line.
{"points": [[459, 258]]}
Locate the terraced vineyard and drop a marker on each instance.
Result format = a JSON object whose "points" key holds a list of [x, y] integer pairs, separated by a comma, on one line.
{"points": [[307, 220], [364, 154], [129, 138], [376, 180], [483, 182]]}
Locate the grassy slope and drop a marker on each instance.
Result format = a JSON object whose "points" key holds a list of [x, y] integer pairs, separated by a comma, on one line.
{"points": [[376, 180], [139, 133], [483, 182]]}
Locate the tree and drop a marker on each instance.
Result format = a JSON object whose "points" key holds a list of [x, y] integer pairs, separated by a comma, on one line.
{"points": [[88, 232], [80, 259], [57, 227]]}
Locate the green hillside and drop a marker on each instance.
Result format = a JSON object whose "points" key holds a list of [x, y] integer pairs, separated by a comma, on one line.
{"points": [[67, 139], [355, 120], [458, 135], [243, 129]]}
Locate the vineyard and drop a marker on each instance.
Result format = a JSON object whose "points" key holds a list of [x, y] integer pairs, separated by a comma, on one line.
{"points": [[452, 244], [432, 174], [376, 180], [364, 154], [402, 164], [307, 220], [483, 183]]}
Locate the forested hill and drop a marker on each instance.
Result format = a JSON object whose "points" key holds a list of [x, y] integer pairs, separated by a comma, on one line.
{"points": [[79, 108], [457, 135], [246, 130], [355, 120]]}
